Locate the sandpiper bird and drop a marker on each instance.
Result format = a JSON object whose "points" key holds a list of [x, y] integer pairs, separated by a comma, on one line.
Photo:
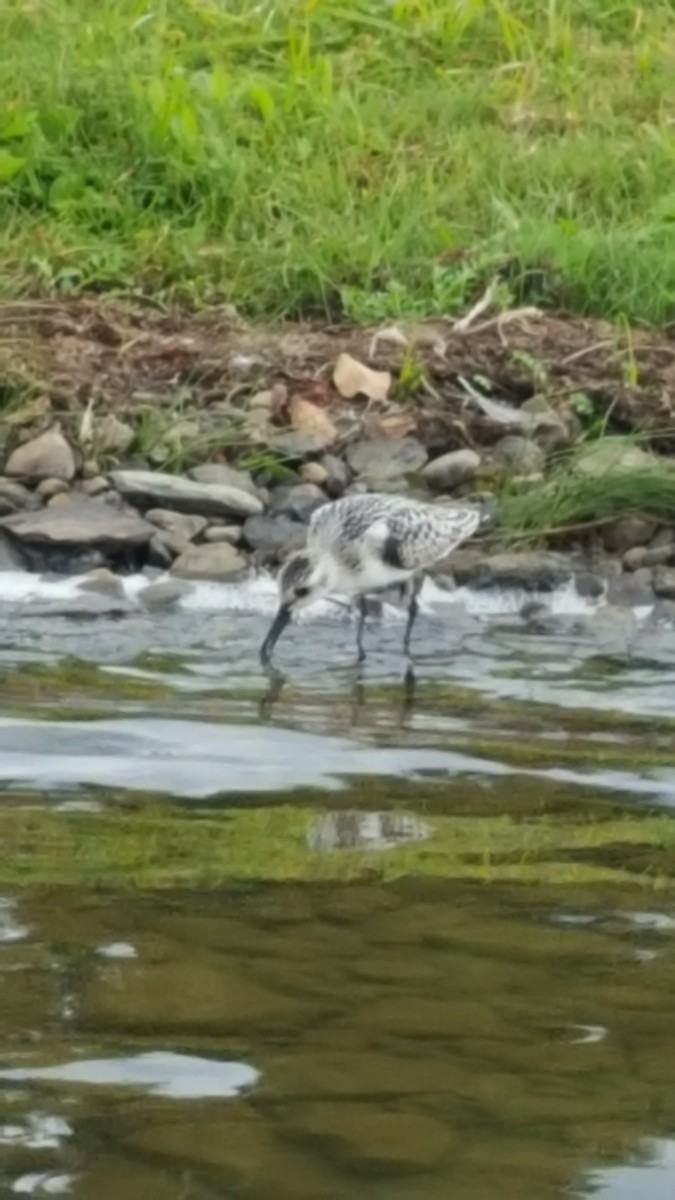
{"points": [[364, 544]]}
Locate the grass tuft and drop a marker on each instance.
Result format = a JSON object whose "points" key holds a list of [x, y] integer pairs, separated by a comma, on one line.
{"points": [[570, 501]]}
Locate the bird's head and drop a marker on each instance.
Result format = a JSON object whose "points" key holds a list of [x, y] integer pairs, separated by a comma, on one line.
{"points": [[299, 583]]}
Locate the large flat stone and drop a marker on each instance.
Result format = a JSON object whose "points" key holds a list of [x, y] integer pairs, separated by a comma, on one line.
{"points": [[86, 524], [154, 489]]}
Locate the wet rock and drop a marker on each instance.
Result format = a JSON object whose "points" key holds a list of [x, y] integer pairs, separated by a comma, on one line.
{"points": [[11, 558], [631, 590], [153, 489], [94, 486], [366, 1137], [16, 496], [338, 475], [452, 469], [314, 472], [648, 556], [45, 457], [224, 476], [272, 537], [540, 572], [613, 454], [385, 460], [103, 582], [663, 583], [519, 456], [82, 524], [163, 548], [219, 561], [299, 501], [48, 488], [613, 626], [628, 532], [165, 594], [112, 435], [589, 585], [223, 533], [88, 605], [663, 614], [179, 524]]}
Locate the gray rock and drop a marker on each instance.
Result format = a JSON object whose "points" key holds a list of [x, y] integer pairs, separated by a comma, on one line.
{"points": [[294, 445], [338, 475], [165, 547], [314, 472], [104, 583], [113, 436], [179, 524], [95, 486], [165, 594], [16, 495], [224, 533], [628, 591], [82, 524], [452, 469], [385, 460], [224, 476], [153, 489], [628, 532], [532, 572], [11, 558], [589, 585], [613, 454], [612, 626], [663, 583], [272, 537], [45, 457], [550, 429], [48, 488], [663, 613], [519, 456], [648, 556], [220, 562], [298, 501]]}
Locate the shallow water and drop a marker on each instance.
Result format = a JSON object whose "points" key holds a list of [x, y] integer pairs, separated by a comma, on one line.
{"points": [[316, 936]]}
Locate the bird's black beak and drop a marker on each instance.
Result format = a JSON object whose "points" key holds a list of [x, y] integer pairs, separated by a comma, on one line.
{"points": [[276, 629]]}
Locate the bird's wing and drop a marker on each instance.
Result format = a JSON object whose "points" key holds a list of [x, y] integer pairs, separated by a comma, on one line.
{"points": [[414, 540], [407, 535]]}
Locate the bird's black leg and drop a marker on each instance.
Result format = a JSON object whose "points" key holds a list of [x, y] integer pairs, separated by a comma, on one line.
{"points": [[363, 608], [413, 589]]}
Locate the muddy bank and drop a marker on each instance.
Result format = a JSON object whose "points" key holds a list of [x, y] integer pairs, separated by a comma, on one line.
{"points": [[139, 440]]}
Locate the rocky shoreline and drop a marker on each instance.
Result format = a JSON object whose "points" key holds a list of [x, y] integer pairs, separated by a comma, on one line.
{"points": [[84, 484]]}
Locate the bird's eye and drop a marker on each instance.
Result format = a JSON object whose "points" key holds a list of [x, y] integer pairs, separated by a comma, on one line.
{"points": [[301, 592]]}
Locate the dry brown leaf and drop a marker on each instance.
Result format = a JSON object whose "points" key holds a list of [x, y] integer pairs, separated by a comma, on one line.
{"points": [[312, 421], [352, 378]]}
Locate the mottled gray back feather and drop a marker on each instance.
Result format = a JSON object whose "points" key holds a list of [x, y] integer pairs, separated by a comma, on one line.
{"points": [[418, 533]]}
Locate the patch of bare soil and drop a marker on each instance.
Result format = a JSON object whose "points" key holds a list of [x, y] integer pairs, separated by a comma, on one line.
{"points": [[59, 356]]}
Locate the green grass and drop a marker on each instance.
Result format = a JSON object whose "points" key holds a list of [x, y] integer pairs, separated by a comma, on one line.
{"points": [[292, 156], [160, 846]]}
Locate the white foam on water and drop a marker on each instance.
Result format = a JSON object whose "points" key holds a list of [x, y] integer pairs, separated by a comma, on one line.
{"points": [[258, 594]]}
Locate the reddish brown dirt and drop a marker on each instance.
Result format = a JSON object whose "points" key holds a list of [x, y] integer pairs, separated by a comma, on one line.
{"points": [[59, 355]]}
